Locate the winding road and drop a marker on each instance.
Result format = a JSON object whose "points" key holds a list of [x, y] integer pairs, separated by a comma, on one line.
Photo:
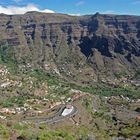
{"points": [[56, 118]]}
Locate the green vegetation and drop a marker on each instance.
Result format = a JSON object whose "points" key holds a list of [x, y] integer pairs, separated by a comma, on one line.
{"points": [[105, 90], [51, 135], [19, 126], [131, 131], [137, 74], [44, 133], [121, 74], [39, 74], [16, 100], [32, 79], [100, 89], [8, 58], [4, 132]]}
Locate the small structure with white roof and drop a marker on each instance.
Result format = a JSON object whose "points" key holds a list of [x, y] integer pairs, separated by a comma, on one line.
{"points": [[68, 110]]}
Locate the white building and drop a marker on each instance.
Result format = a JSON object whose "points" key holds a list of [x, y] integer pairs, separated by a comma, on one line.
{"points": [[67, 110]]}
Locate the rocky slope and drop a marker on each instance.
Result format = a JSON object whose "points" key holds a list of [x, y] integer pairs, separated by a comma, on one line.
{"points": [[83, 48]]}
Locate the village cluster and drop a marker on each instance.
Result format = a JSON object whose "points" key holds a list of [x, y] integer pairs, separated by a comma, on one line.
{"points": [[47, 104]]}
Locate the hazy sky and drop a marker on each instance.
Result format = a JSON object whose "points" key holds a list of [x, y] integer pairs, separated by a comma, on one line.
{"points": [[78, 7]]}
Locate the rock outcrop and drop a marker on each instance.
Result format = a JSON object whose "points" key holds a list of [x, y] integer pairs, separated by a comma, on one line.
{"points": [[88, 47]]}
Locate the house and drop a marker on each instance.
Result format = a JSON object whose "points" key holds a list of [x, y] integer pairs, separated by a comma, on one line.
{"points": [[2, 117], [68, 100]]}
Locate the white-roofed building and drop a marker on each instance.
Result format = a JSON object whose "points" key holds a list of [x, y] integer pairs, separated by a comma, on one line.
{"points": [[67, 110]]}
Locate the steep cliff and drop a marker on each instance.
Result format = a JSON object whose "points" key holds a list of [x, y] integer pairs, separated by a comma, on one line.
{"points": [[83, 48]]}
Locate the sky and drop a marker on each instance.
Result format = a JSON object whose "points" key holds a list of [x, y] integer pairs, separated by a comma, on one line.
{"points": [[72, 7]]}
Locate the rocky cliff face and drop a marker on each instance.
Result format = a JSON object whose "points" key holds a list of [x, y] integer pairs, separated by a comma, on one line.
{"points": [[83, 48]]}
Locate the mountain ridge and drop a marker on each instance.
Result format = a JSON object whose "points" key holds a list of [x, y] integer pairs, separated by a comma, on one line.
{"points": [[99, 45]]}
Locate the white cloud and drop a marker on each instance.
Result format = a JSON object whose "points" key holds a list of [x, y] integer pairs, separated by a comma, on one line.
{"points": [[80, 3], [12, 10], [74, 14]]}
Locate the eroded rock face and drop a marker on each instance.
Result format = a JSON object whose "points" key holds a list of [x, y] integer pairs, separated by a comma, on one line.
{"points": [[103, 43]]}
